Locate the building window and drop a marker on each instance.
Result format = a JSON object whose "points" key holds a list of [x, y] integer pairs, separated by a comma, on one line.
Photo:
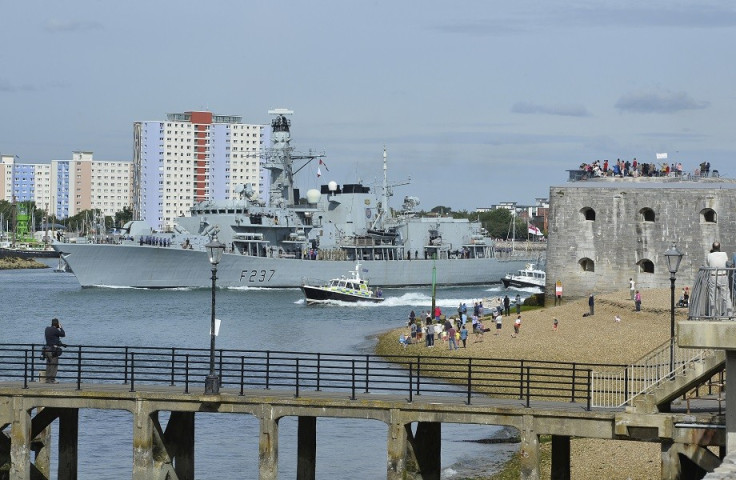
{"points": [[586, 264], [645, 266], [708, 215], [647, 215], [588, 213]]}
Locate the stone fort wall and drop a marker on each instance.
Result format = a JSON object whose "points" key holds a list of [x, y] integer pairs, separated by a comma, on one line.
{"points": [[603, 232]]}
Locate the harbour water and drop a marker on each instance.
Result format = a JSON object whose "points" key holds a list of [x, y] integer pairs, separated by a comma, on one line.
{"points": [[265, 319]]}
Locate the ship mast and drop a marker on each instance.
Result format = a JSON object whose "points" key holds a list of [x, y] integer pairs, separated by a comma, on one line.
{"points": [[280, 161]]}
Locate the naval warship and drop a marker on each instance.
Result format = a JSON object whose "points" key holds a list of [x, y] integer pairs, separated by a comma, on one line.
{"points": [[288, 240]]}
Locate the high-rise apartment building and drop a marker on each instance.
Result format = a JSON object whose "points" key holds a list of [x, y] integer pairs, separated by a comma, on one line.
{"points": [[66, 187], [190, 157]]}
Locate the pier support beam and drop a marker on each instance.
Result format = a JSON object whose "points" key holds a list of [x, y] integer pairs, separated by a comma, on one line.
{"points": [[306, 461], [143, 421], [268, 445], [179, 437], [20, 442], [560, 457], [529, 452], [426, 446], [68, 443], [396, 447]]}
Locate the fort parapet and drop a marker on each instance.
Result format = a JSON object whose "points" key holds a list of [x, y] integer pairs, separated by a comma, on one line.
{"points": [[604, 231]]}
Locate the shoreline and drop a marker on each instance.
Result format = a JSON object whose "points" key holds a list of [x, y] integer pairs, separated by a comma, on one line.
{"points": [[18, 263], [590, 339]]}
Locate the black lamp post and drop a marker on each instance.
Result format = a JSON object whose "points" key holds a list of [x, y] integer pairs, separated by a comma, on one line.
{"points": [[215, 250], [674, 257]]}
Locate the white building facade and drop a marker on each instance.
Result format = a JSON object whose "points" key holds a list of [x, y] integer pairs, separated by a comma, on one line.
{"points": [[191, 157]]}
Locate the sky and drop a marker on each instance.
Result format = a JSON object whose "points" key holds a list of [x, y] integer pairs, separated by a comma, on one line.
{"points": [[476, 102]]}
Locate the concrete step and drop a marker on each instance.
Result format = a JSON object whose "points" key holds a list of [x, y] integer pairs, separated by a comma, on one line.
{"points": [[695, 373]]}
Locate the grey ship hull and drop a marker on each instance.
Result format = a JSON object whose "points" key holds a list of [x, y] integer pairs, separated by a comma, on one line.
{"points": [[161, 267]]}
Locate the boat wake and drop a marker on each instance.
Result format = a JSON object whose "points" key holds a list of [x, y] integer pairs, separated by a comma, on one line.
{"points": [[413, 299]]}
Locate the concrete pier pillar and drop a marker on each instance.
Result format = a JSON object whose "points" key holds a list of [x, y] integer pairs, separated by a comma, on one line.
{"points": [[560, 457], [41, 444], [730, 406], [20, 442], [143, 425], [178, 442], [396, 448], [268, 445], [670, 461], [306, 461], [426, 446], [529, 450], [68, 443]]}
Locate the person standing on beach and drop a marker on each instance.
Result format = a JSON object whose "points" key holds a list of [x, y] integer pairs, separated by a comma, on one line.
{"points": [[52, 350], [499, 323], [558, 292], [518, 304], [464, 335], [554, 325], [506, 305], [637, 301], [632, 287], [591, 304], [517, 326]]}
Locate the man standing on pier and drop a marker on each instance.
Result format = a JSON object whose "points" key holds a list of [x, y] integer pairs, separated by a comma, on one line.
{"points": [[52, 350]]}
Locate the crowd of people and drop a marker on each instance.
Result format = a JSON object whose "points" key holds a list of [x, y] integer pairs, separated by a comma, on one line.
{"points": [[431, 327], [634, 168]]}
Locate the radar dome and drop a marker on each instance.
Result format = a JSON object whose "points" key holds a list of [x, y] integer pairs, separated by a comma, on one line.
{"points": [[313, 196], [332, 186]]}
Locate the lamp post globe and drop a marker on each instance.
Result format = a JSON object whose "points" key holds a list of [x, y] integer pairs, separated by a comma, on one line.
{"points": [[215, 249]]}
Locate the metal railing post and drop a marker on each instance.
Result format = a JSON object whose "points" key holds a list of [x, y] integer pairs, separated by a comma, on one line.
{"points": [[367, 370], [419, 374], [79, 367], [528, 381], [573, 383], [470, 365], [25, 371], [125, 374], [173, 362], [242, 374], [590, 394], [319, 363], [132, 371], [411, 381], [521, 380], [186, 373], [352, 397], [268, 367], [296, 378]]}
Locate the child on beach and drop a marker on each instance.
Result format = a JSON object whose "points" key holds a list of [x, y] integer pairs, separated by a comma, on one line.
{"points": [[554, 325]]}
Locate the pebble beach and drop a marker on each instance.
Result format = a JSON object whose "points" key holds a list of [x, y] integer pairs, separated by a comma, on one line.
{"points": [[599, 338]]}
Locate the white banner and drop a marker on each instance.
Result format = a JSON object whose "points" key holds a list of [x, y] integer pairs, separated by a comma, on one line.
{"points": [[661, 156]]}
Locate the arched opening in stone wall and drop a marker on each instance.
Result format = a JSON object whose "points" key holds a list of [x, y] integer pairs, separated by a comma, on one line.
{"points": [[588, 213], [647, 215], [586, 264], [645, 266], [708, 215]]}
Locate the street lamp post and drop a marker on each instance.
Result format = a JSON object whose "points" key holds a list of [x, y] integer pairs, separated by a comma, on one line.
{"points": [[215, 250], [674, 257]]}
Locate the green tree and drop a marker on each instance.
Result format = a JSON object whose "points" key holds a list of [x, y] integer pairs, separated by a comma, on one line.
{"points": [[124, 216]]}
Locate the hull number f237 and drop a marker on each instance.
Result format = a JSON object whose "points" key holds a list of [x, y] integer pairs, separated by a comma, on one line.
{"points": [[256, 276]]}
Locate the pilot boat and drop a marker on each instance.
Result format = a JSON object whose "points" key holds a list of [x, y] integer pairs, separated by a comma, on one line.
{"points": [[344, 289]]}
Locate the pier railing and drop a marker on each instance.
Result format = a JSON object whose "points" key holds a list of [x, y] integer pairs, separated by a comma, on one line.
{"points": [[242, 370]]}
